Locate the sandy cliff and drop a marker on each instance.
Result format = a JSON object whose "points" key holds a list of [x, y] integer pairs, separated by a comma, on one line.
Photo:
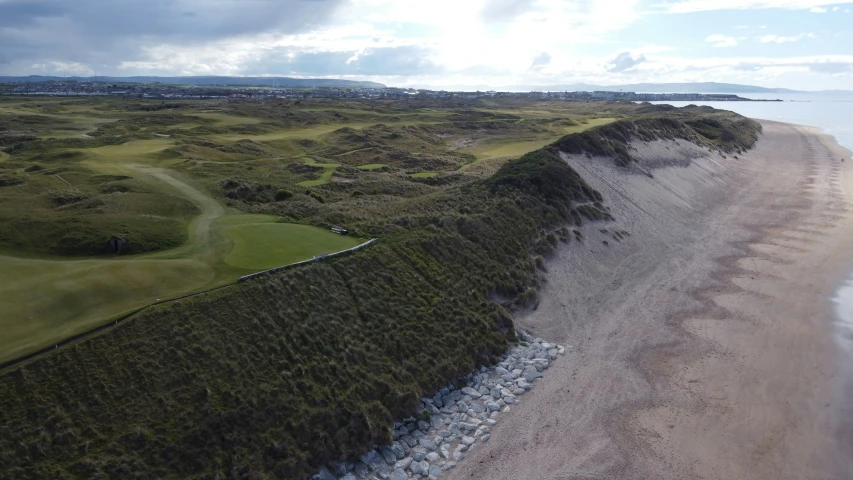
{"points": [[703, 340]]}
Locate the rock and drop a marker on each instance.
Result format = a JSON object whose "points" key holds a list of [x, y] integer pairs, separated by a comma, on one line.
{"points": [[420, 468], [423, 426], [431, 457], [417, 434], [445, 452], [467, 441], [561, 351], [341, 468], [418, 453], [427, 444], [458, 456], [444, 433], [389, 455], [436, 421], [435, 471], [489, 422], [361, 470], [324, 474], [404, 463], [471, 392], [349, 476], [373, 459], [516, 373], [398, 449], [398, 474], [448, 465], [501, 370], [409, 440], [403, 430], [486, 437], [492, 406], [530, 373]]}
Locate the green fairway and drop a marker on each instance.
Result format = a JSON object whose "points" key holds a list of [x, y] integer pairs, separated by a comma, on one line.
{"points": [[44, 301], [507, 149], [372, 166], [325, 177], [260, 243]]}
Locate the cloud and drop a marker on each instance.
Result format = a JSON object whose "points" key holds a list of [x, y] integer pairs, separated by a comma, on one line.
{"points": [[719, 40], [624, 61], [818, 9], [782, 39], [687, 6], [830, 67], [104, 33], [501, 10], [541, 61]]}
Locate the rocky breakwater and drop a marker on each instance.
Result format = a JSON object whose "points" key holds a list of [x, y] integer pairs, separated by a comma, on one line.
{"points": [[454, 420]]}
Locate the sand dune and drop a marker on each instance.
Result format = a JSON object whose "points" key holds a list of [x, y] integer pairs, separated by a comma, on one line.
{"points": [[703, 342]]}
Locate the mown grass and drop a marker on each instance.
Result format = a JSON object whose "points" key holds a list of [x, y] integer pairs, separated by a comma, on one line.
{"points": [[372, 166], [261, 243], [424, 175]]}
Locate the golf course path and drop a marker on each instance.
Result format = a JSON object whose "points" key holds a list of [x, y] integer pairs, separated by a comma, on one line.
{"points": [[199, 230]]}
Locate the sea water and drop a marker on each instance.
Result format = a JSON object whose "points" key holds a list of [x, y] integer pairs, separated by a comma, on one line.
{"points": [[832, 113]]}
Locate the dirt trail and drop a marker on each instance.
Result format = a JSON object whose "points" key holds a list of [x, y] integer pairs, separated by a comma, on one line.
{"points": [[702, 342]]}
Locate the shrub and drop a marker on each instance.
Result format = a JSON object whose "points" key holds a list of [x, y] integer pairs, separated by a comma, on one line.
{"points": [[283, 195]]}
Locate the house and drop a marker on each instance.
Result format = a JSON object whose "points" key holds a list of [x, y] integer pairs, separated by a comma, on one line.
{"points": [[339, 230]]}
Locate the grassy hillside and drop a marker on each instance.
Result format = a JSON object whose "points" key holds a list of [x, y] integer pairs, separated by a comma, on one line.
{"points": [[273, 377]]}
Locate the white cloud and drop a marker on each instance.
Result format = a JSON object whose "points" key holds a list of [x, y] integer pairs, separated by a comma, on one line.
{"points": [[782, 39], [818, 9], [719, 40], [687, 6]]}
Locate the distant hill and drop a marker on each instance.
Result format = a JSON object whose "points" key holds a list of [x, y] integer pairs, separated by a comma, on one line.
{"points": [[703, 87], [285, 82]]}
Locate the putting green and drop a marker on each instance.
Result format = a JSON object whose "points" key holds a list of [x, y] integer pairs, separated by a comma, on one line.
{"points": [[259, 243]]}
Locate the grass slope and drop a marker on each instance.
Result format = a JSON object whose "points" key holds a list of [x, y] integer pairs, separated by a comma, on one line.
{"points": [[275, 377]]}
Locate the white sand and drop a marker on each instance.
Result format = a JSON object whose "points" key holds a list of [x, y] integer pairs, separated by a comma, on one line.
{"points": [[703, 342]]}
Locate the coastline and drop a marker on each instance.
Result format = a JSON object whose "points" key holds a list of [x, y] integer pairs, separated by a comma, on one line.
{"points": [[704, 341]]}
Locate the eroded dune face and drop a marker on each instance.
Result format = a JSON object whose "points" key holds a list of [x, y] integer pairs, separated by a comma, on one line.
{"points": [[700, 320]]}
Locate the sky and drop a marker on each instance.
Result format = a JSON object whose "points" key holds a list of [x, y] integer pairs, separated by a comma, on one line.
{"points": [[799, 44]]}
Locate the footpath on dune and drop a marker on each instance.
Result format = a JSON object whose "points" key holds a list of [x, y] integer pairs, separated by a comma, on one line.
{"points": [[703, 340]]}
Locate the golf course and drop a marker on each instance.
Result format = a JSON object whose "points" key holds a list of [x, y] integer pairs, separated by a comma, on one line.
{"points": [[205, 192]]}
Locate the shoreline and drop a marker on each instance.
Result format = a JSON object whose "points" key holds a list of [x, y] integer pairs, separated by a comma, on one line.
{"points": [[705, 340]]}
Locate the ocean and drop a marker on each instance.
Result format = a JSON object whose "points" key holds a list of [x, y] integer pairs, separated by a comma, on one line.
{"points": [[833, 113]]}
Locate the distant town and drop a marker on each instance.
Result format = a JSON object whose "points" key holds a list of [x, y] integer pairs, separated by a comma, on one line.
{"points": [[167, 91]]}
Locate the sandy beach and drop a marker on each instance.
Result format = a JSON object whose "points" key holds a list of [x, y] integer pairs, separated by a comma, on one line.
{"points": [[702, 342]]}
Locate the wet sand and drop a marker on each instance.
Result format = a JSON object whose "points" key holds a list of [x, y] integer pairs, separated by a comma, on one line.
{"points": [[703, 342]]}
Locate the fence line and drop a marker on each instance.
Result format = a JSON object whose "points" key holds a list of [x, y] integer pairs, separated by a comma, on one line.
{"points": [[100, 328], [318, 258]]}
